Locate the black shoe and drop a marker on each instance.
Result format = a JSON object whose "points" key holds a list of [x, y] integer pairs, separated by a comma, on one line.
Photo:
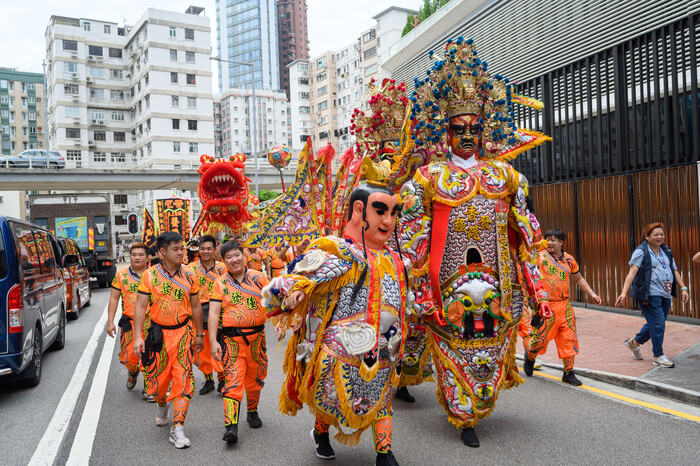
{"points": [[528, 366], [231, 434], [207, 388], [403, 395], [220, 386], [469, 437], [386, 459], [254, 420], [323, 445], [570, 378]]}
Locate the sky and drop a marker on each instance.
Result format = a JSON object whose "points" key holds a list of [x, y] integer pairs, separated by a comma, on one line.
{"points": [[332, 23]]}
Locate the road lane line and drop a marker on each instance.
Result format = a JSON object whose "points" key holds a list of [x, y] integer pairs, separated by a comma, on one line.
{"points": [[627, 399], [85, 435], [47, 450]]}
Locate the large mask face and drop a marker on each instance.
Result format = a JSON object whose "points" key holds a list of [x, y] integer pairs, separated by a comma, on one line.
{"points": [[381, 212], [464, 135]]}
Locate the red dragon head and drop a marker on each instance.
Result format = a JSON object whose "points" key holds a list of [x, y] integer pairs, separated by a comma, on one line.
{"points": [[223, 190]]}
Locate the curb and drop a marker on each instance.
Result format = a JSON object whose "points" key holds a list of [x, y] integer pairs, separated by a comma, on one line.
{"points": [[635, 383]]}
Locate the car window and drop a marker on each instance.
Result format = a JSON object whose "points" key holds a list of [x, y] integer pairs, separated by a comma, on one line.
{"points": [[3, 258], [26, 250], [55, 154], [46, 251]]}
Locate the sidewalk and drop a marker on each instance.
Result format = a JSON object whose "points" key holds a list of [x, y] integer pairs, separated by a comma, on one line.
{"points": [[604, 356]]}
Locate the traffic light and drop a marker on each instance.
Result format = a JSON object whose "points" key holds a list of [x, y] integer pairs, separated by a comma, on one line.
{"points": [[132, 223]]}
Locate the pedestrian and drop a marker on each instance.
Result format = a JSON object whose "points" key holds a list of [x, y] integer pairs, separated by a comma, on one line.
{"points": [[279, 256], [346, 302], [208, 271], [169, 292], [239, 342], [256, 258], [125, 286], [652, 280], [557, 269]]}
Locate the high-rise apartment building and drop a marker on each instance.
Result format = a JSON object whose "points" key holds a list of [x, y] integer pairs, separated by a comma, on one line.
{"points": [[246, 31], [322, 99], [234, 109], [22, 117], [299, 104], [131, 96], [293, 36]]}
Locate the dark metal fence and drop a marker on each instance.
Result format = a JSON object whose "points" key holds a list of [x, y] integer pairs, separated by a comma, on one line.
{"points": [[633, 107]]}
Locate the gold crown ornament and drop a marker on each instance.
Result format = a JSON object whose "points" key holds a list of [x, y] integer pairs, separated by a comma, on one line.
{"points": [[388, 104]]}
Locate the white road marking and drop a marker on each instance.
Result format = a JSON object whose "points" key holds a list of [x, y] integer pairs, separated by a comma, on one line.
{"points": [[47, 450], [85, 436]]}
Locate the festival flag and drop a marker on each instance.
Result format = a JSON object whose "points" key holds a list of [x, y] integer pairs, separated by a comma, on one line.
{"points": [[149, 229], [199, 226], [173, 214]]}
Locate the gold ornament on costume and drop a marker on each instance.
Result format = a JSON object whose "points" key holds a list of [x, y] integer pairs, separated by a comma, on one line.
{"points": [[376, 174], [388, 104]]}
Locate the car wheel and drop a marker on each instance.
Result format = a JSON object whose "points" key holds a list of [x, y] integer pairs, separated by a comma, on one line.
{"points": [[32, 374], [53, 165], [60, 342]]}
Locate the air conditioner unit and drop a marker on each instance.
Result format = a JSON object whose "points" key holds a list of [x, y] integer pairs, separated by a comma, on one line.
{"points": [[77, 143], [76, 97], [91, 143], [91, 57], [75, 75], [88, 79], [92, 91], [94, 121], [128, 75], [74, 52], [76, 117], [123, 206], [99, 57], [101, 122]]}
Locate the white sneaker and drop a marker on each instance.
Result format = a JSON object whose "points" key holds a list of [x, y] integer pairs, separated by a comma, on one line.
{"points": [[177, 437], [663, 361], [162, 416], [635, 349]]}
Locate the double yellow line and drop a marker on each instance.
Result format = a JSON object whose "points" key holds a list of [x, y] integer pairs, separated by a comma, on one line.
{"points": [[627, 399]]}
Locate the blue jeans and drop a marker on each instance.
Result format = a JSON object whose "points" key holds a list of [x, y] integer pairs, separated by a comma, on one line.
{"points": [[655, 312]]}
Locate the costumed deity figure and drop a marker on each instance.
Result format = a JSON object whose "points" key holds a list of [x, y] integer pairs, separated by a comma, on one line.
{"points": [[384, 136], [467, 231], [346, 299]]}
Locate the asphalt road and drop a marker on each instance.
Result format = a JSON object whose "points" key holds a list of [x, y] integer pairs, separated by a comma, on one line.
{"points": [[542, 421]]}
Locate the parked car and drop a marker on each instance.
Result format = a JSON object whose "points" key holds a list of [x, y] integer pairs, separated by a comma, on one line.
{"points": [[32, 299], [39, 159], [77, 277]]}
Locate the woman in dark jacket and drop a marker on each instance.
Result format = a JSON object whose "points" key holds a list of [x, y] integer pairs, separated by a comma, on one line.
{"points": [[652, 278]]}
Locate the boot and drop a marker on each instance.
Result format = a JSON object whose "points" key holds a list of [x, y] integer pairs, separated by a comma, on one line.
{"points": [[231, 434], [207, 387], [403, 395], [323, 445], [570, 378], [528, 365], [386, 459], [469, 437], [254, 420]]}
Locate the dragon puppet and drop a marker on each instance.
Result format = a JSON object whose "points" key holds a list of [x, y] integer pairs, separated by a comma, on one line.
{"points": [[223, 192]]}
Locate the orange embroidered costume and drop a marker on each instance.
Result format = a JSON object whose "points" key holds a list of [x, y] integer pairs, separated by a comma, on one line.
{"points": [[241, 334], [561, 327], [205, 279], [168, 351], [127, 283]]}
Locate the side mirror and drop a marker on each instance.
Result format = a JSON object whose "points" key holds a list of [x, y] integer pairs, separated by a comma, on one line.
{"points": [[70, 259]]}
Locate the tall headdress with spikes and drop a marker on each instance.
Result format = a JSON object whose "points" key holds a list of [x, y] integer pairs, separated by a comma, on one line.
{"points": [[388, 104], [457, 84]]}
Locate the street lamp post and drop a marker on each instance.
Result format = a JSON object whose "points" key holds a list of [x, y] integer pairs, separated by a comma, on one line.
{"points": [[255, 121]]}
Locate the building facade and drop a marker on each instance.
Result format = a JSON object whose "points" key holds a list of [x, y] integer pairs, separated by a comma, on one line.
{"points": [[235, 108], [246, 32], [131, 96], [293, 37], [299, 104]]}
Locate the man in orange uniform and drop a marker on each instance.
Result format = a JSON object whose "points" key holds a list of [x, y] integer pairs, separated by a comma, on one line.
{"points": [[168, 291], [240, 340], [279, 256], [207, 271], [255, 258], [556, 268], [124, 286]]}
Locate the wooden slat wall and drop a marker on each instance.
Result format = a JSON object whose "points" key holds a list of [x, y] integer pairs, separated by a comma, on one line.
{"points": [[603, 227]]}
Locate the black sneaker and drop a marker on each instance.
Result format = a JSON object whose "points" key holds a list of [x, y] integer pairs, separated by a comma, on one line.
{"points": [[231, 434], [207, 388], [528, 366], [386, 459], [323, 445], [469, 437], [570, 378], [403, 395], [254, 420], [220, 386]]}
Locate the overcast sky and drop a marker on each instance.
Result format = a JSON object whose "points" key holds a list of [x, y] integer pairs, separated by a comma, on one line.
{"points": [[332, 23]]}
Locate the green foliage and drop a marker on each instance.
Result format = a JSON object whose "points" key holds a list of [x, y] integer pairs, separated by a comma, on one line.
{"points": [[266, 195], [429, 7]]}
